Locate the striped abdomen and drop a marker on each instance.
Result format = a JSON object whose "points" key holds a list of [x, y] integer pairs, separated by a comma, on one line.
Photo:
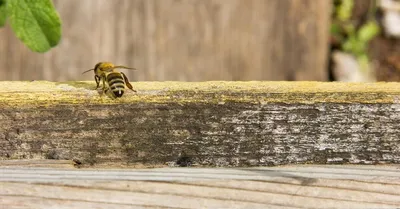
{"points": [[116, 84]]}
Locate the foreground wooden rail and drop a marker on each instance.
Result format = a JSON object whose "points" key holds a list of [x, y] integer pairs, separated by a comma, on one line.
{"points": [[203, 124], [301, 186]]}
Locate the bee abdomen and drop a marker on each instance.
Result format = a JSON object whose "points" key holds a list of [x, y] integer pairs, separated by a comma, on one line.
{"points": [[116, 84]]}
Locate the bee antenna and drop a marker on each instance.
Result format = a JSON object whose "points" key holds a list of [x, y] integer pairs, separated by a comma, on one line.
{"points": [[87, 71], [123, 67]]}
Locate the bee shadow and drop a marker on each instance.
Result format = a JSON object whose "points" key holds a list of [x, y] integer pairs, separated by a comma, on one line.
{"points": [[88, 85]]}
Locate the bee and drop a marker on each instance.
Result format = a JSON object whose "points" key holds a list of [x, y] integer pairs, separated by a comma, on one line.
{"points": [[115, 80]]}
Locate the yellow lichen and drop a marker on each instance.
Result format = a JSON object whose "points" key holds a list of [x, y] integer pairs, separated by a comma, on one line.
{"points": [[45, 93]]}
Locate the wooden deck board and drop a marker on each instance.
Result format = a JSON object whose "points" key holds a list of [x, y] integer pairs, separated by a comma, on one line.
{"points": [[294, 186]]}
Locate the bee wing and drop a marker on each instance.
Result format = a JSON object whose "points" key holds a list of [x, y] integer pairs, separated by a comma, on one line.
{"points": [[87, 71], [123, 67], [129, 85]]}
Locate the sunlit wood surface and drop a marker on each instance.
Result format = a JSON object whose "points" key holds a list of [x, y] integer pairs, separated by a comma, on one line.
{"points": [[294, 186]]}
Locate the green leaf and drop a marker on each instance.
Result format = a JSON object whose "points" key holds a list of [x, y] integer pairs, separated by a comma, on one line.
{"points": [[349, 43], [335, 29], [345, 10], [35, 22], [354, 46], [3, 13], [349, 29], [368, 31], [363, 61]]}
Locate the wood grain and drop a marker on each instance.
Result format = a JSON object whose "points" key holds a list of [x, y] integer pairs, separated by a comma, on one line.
{"points": [[193, 40], [202, 124], [306, 186]]}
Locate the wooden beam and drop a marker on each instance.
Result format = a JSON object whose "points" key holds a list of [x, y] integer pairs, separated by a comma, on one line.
{"points": [[307, 186], [204, 124]]}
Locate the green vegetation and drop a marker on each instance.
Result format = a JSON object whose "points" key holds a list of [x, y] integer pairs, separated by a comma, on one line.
{"points": [[34, 22], [3, 14], [352, 38]]}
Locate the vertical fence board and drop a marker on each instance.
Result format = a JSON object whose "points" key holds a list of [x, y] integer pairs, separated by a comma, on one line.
{"points": [[192, 40]]}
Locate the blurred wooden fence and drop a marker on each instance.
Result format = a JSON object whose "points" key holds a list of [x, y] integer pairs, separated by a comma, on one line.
{"points": [[186, 40]]}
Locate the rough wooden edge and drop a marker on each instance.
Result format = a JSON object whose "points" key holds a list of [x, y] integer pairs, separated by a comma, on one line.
{"points": [[38, 163], [57, 163], [17, 93]]}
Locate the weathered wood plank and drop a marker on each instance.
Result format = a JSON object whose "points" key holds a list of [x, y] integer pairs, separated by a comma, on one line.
{"points": [[306, 186], [205, 124]]}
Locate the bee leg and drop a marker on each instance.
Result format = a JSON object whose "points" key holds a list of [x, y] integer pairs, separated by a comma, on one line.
{"points": [[127, 82], [97, 79], [104, 85]]}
